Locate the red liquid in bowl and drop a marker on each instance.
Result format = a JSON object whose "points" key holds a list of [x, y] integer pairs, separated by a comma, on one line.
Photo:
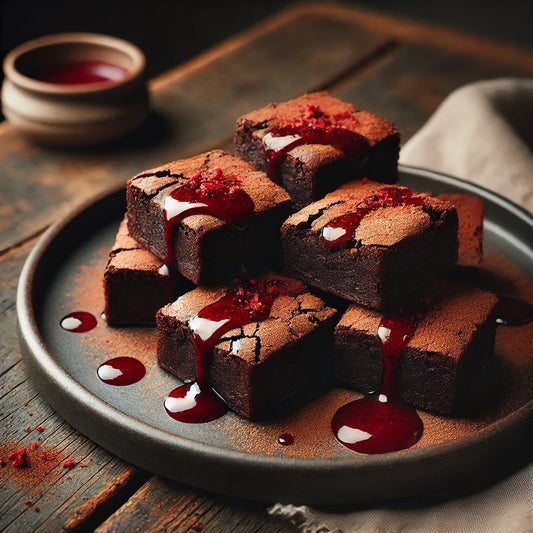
{"points": [[83, 72]]}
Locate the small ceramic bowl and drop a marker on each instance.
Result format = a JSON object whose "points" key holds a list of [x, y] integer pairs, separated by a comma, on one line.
{"points": [[75, 88]]}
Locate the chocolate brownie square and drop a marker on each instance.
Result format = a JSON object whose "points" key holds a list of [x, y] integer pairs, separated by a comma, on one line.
{"points": [[373, 244], [312, 144], [256, 366], [470, 231], [137, 283], [205, 248], [452, 342]]}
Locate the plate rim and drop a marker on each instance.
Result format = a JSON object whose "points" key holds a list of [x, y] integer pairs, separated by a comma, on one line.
{"points": [[51, 375]]}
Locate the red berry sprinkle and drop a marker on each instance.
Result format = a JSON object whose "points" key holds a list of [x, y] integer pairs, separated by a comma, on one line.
{"points": [[18, 457], [37, 509], [28, 502], [28, 429], [40, 429], [197, 527], [69, 463]]}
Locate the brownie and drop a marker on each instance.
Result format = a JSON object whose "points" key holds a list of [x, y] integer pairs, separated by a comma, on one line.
{"points": [[137, 283], [394, 253], [207, 249], [470, 231], [365, 146], [450, 345], [257, 366]]}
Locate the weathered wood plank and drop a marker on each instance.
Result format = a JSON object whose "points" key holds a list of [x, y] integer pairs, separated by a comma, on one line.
{"points": [[98, 479], [408, 86], [163, 505], [10, 267], [194, 110], [410, 31]]}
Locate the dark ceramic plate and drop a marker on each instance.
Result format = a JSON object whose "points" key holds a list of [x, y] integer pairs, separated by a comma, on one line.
{"points": [[234, 456]]}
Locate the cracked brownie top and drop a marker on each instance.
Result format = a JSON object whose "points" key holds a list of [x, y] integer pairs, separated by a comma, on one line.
{"points": [[295, 312]]}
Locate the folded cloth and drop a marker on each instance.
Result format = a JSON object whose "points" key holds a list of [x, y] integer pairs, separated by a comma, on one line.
{"points": [[482, 133], [503, 508]]}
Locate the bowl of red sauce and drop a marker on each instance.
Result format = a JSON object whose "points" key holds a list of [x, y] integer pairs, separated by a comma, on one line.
{"points": [[75, 88]]}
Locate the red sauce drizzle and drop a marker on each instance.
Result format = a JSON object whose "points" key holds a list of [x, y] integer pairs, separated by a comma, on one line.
{"points": [[241, 305], [207, 193], [513, 311], [313, 127], [78, 322], [341, 229], [286, 439], [81, 72], [382, 423], [121, 371], [167, 281]]}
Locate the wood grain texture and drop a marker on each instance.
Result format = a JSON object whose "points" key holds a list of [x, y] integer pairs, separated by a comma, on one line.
{"points": [[55, 491], [408, 85], [409, 31], [164, 505]]}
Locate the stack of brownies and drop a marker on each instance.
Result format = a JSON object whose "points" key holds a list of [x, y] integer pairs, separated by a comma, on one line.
{"points": [[308, 202]]}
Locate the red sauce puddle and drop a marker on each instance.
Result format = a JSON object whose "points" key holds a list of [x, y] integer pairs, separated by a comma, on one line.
{"points": [[382, 423], [78, 322], [286, 439], [513, 311], [121, 371]]}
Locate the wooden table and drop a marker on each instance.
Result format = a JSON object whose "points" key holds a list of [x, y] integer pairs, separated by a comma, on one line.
{"points": [[394, 68]]}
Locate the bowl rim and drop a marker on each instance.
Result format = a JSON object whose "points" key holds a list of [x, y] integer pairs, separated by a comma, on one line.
{"points": [[17, 78]]}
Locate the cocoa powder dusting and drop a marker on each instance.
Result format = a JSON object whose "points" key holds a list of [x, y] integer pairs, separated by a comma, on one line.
{"points": [[29, 465]]}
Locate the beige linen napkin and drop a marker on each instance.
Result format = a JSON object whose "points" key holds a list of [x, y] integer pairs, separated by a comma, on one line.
{"points": [[483, 133]]}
